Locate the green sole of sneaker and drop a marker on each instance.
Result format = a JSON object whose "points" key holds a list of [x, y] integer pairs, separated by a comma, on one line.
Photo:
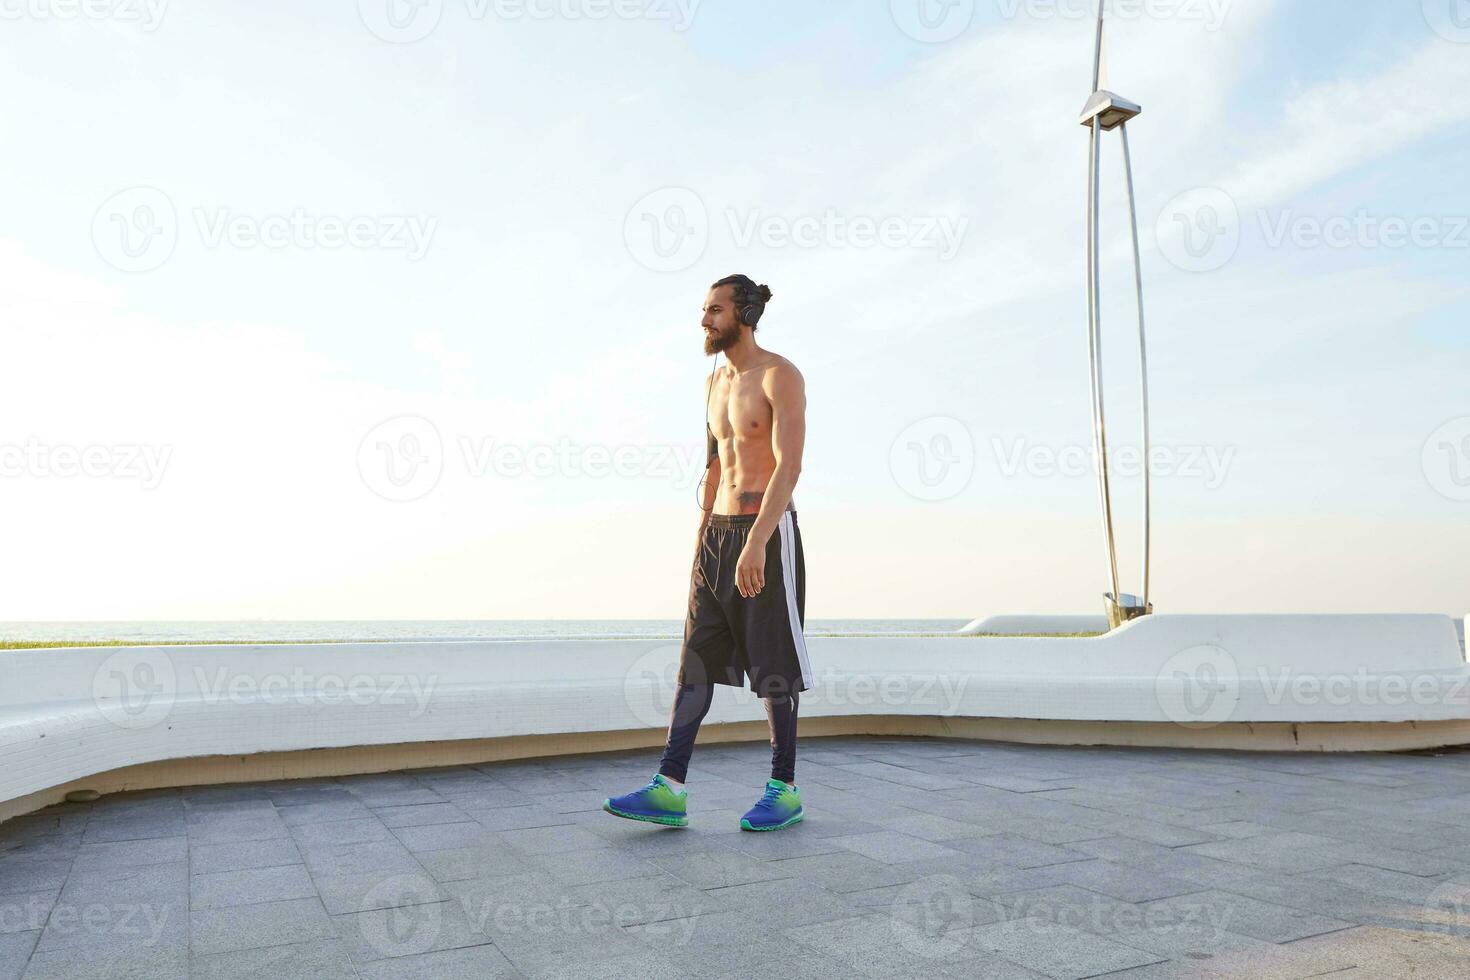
{"points": [[796, 818], [665, 821]]}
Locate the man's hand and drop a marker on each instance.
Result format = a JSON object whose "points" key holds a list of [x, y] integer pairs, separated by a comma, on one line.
{"points": [[750, 571]]}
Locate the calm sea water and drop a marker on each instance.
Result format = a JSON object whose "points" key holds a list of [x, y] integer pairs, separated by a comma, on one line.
{"points": [[258, 631]]}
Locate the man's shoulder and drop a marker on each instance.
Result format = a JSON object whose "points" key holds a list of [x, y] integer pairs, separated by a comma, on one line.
{"points": [[782, 367]]}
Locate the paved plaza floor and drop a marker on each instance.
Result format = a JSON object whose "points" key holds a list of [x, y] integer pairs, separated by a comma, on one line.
{"points": [[918, 858]]}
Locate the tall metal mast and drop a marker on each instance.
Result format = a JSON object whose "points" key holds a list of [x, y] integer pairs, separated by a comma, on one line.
{"points": [[1106, 111]]}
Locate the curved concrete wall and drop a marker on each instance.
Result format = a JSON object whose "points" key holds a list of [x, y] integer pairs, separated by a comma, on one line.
{"points": [[67, 714]]}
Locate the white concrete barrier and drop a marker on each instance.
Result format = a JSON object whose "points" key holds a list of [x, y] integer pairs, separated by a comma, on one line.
{"points": [[68, 714]]}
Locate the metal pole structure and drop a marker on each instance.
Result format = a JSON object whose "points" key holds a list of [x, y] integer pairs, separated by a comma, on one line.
{"points": [[1106, 111], [1142, 365]]}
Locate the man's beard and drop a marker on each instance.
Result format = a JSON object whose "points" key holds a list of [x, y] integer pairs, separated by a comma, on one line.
{"points": [[719, 341]]}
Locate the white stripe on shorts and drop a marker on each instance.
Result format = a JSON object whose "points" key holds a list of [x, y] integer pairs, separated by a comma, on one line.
{"points": [[788, 576]]}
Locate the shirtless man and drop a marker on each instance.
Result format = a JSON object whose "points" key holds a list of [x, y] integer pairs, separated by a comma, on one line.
{"points": [[747, 594]]}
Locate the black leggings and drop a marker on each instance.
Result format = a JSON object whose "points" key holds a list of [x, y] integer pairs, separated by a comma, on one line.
{"points": [[691, 704]]}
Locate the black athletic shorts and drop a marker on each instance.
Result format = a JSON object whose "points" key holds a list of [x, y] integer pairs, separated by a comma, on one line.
{"points": [[729, 638]]}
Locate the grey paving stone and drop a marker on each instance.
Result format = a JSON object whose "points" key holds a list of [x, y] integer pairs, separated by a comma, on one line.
{"points": [[420, 815], [463, 863], [546, 840], [377, 857], [398, 796], [881, 946], [249, 886], [905, 776], [342, 894], [101, 924], [442, 836], [1377, 881], [785, 901], [406, 930], [362, 830], [1059, 951], [485, 795], [1288, 852], [318, 960], [842, 871], [648, 899], [770, 846], [1383, 952], [26, 911], [345, 807], [930, 827], [264, 924], [310, 793], [1120, 881], [465, 963], [233, 806], [43, 823], [105, 829], [1018, 852], [230, 828], [892, 847], [131, 853], [518, 817], [608, 864], [147, 882], [1246, 916], [15, 951], [121, 963], [1228, 864], [237, 855]]}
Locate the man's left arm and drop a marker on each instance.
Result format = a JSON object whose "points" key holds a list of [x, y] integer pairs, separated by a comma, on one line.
{"points": [[786, 390]]}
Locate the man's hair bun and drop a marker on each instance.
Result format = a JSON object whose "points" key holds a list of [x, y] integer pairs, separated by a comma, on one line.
{"points": [[764, 292]]}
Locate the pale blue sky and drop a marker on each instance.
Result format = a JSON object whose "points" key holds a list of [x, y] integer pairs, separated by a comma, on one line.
{"points": [[1314, 377]]}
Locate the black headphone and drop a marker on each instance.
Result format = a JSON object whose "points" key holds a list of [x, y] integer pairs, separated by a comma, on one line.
{"points": [[752, 307]]}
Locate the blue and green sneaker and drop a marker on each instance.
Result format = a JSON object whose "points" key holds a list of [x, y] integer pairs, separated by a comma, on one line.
{"points": [[779, 807], [656, 803]]}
